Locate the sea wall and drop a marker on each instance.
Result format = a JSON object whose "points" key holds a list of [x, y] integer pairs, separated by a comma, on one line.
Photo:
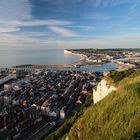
{"points": [[103, 89]]}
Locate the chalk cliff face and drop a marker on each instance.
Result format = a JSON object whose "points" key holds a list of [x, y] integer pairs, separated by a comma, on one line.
{"points": [[67, 52], [102, 91]]}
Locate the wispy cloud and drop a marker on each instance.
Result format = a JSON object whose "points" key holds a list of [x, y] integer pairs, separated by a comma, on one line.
{"points": [[82, 27], [9, 29], [120, 41], [13, 11], [17, 13], [118, 2], [62, 31], [98, 16], [21, 40], [117, 41], [110, 3], [13, 25]]}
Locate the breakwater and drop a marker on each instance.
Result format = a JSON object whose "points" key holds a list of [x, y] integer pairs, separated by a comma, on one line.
{"points": [[38, 66]]}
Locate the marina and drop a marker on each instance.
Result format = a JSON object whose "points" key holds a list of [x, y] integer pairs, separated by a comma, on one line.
{"points": [[99, 68]]}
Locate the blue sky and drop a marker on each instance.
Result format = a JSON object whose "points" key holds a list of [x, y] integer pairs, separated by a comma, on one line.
{"points": [[70, 23]]}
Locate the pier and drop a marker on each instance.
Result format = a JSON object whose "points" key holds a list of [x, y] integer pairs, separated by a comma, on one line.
{"points": [[38, 66]]}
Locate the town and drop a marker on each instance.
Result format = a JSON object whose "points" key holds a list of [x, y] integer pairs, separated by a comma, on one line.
{"points": [[36, 99], [129, 58], [41, 99], [122, 59]]}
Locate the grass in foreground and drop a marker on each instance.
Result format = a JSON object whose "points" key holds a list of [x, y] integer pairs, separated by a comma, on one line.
{"points": [[115, 117]]}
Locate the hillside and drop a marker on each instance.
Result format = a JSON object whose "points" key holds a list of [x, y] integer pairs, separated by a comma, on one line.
{"points": [[117, 116]]}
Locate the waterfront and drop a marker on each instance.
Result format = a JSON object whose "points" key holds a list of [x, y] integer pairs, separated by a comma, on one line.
{"points": [[11, 57], [59, 60]]}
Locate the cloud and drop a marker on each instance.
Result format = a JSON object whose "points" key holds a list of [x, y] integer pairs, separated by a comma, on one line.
{"points": [[62, 31], [98, 16], [131, 40], [120, 41], [117, 2], [15, 9], [21, 40], [29, 34], [12, 12], [83, 27], [108, 3], [8, 29], [13, 25], [17, 13], [49, 22]]}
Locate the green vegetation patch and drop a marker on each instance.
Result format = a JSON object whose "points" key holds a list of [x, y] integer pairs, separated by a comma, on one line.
{"points": [[115, 77]]}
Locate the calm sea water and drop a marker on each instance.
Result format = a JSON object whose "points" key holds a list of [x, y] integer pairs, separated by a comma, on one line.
{"points": [[18, 57], [10, 57]]}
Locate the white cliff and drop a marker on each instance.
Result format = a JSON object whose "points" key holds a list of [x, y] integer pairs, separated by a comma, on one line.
{"points": [[67, 52], [103, 89]]}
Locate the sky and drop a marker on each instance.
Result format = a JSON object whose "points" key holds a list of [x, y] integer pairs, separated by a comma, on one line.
{"points": [[55, 24]]}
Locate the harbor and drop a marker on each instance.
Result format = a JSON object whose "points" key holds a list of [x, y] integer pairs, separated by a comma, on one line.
{"points": [[103, 60]]}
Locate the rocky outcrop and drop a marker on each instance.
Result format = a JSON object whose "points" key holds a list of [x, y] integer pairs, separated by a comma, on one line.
{"points": [[103, 89]]}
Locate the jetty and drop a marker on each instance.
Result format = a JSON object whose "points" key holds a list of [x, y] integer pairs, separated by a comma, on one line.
{"points": [[44, 66]]}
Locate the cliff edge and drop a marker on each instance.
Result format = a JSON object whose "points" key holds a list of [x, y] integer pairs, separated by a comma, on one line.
{"points": [[116, 116], [67, 52]]}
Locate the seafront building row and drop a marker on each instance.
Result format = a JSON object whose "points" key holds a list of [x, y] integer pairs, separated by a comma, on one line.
{"points": [[101, 56]]}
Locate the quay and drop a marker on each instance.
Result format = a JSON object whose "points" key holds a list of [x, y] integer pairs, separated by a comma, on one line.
{"points": [[38, 66]]}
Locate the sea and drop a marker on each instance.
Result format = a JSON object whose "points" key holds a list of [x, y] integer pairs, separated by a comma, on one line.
{"points": [[12, 57]]}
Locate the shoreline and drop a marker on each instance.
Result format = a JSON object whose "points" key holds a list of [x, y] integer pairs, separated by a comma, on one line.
{"points": [[123, 67], [77, 64], [68, 65], [74, 65], [83, 59], [81, 56]]}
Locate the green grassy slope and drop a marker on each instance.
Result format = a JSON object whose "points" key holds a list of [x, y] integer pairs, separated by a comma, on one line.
{"points": [[62, 131], [115, 117]]}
